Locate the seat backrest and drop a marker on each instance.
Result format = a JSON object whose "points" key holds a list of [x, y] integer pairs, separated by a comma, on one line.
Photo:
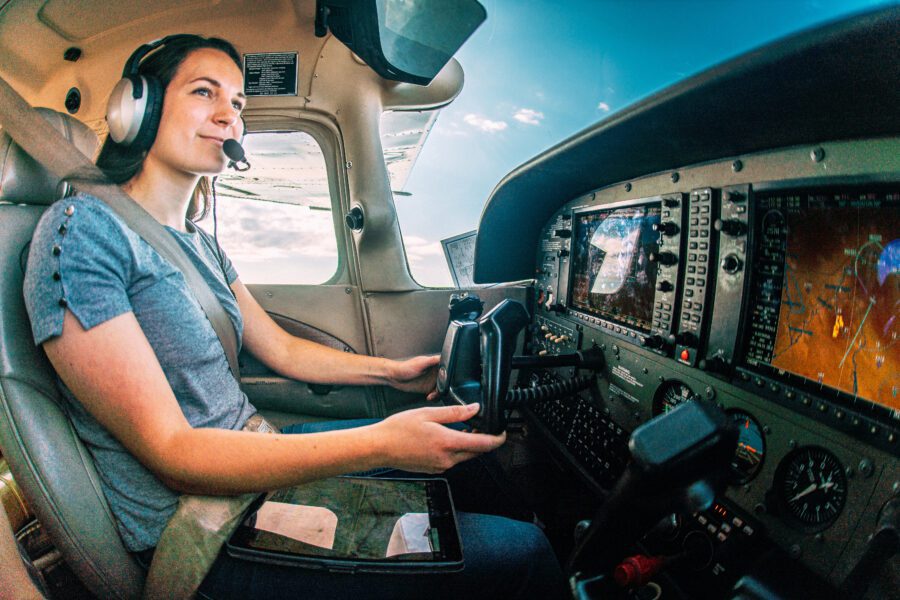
{"points": [[53, 468]]}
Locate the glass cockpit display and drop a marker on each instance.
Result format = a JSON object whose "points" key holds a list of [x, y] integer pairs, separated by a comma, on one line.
{"points": [[612, 276], [825, 303]]}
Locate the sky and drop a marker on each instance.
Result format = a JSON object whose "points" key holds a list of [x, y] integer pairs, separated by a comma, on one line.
{"points": [[539, 71]]}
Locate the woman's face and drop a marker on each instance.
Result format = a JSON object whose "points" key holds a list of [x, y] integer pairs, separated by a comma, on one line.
{"points": [[201, 109]]}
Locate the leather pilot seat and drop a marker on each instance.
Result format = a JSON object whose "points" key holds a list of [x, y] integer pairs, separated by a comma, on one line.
{"points": [[49, 462]]}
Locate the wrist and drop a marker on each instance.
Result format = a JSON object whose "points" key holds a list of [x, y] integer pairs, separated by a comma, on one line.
{"points": [[383, 370], [377, 447]]}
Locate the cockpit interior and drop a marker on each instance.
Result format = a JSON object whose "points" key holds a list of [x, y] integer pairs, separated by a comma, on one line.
{"points": [[685, 317]]}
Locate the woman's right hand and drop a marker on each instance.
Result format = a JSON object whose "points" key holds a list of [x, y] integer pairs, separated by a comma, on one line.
{"points": [[416, 440]]}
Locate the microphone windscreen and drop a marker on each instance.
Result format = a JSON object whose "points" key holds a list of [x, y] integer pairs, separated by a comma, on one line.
{"points": [[233, 150]]}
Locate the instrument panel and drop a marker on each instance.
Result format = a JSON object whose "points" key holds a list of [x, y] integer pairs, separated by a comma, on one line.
{"points": [[768, 285]]}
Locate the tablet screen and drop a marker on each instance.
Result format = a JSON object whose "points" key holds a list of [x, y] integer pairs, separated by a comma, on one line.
{"points": [[360, 519]]}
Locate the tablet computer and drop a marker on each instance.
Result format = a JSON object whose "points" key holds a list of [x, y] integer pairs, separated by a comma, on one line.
{"points": [[348, 524]]}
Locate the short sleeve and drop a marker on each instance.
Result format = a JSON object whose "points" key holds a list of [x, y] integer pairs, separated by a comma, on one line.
{"points": [[80, 259], [216, 250]]}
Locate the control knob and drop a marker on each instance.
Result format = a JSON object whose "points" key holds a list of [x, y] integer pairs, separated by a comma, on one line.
{"points": [[735, 196], [670, 202], [663, 258], [666, 228], [731, 264], [655, 342], [714, 364], [664, 286], [732, 227]]}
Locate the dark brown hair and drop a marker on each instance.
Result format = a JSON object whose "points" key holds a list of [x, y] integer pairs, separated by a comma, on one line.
{"points": [[120, 163]]}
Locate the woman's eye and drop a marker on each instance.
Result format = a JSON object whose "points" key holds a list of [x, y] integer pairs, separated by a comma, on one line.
{"points": [[203, 92], [237, 106]]}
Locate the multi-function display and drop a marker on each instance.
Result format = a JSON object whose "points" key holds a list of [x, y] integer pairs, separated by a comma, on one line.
{"points": [[825, 301], [612, 276]]}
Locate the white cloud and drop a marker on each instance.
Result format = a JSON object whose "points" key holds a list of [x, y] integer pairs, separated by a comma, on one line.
{"points": [[529, 116], [253, 230], [603, 106], [419, 249], [484, 124]]}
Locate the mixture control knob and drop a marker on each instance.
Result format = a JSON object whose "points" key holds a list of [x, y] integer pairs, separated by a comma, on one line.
{"points": [[732, 264], [731, 227], [671, 202], [663, 258], [666, 228], [665, 286]]}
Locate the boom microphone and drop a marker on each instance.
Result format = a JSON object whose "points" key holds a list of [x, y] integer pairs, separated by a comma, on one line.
{"points": [[235, 152]]}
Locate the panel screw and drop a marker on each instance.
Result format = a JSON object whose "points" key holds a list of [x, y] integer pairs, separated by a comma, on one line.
{"points": [[795, 551], [792, 444], [767, 430], [819, 538], [737, 166], [817, 154], [645, 370], [896, 488], [850, 472], [348, 291], [627, 187], [349, 164], [675, 177], [866, 468], [710, 393]]}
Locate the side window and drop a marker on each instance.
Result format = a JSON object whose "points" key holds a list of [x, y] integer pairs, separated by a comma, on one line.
{"points": [[427, 218], [274, 221]]}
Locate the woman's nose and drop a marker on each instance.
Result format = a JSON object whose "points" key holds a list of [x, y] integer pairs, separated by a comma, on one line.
{"points": [[226, 114]]}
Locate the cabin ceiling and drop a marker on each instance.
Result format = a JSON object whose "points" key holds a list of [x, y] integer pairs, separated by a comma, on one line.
{"points": [[34, 34]]}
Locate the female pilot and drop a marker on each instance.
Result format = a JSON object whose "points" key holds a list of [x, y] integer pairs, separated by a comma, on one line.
{"points": [[149, 390]]}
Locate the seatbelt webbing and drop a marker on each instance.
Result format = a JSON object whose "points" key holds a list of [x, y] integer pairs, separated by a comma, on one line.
{"points": [[53, 151]]}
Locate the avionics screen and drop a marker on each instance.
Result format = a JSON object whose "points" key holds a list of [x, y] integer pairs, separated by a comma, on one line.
{"points": [[612, 276], [826, 290]]}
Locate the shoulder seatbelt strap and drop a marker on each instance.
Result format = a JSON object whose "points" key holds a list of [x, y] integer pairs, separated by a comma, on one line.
{"points": [[46, 145]]}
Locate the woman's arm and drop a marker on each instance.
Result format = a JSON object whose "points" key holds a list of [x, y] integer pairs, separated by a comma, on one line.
{"points": [[114, 373], [314, 363]]}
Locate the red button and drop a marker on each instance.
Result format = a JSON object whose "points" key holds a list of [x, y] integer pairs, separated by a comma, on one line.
{"points": [[685, 355]]}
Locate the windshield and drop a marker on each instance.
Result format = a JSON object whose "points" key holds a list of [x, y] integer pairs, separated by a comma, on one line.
{"points": [[539, 71]]}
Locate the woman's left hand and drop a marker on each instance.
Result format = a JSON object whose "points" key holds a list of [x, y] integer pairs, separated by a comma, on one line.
{"points": [[418, 374]]}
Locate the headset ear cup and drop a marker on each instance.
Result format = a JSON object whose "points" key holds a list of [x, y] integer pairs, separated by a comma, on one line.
{"points": [[150, 122]]}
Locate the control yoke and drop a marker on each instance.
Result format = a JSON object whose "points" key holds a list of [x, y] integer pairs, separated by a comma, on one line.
{"points": [[477, 358], [476, 361], [679, 463]]}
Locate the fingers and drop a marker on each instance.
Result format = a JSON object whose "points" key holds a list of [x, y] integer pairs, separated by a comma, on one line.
{"points": [[433, 395], [431, 360], [477, 443], [452, 414]]}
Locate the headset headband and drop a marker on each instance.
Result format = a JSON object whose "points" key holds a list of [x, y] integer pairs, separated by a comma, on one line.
{"points": [[133, 64]]}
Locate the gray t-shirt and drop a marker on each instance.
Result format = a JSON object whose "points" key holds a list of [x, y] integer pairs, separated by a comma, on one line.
{"points": [[84, 258]]}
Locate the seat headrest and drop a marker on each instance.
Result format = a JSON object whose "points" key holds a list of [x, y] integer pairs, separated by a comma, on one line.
{"points": [[23, 180]]}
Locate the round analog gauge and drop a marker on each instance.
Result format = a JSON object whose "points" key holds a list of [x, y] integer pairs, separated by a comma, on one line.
{"points": [[811, 487], [751, 447], [669, 395]]}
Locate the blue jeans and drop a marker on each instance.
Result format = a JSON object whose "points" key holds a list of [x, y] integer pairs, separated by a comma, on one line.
{"points": [[504, 558]]}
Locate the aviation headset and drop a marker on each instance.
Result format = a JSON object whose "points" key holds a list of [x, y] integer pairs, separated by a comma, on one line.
{"points": [[135, 104]]}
